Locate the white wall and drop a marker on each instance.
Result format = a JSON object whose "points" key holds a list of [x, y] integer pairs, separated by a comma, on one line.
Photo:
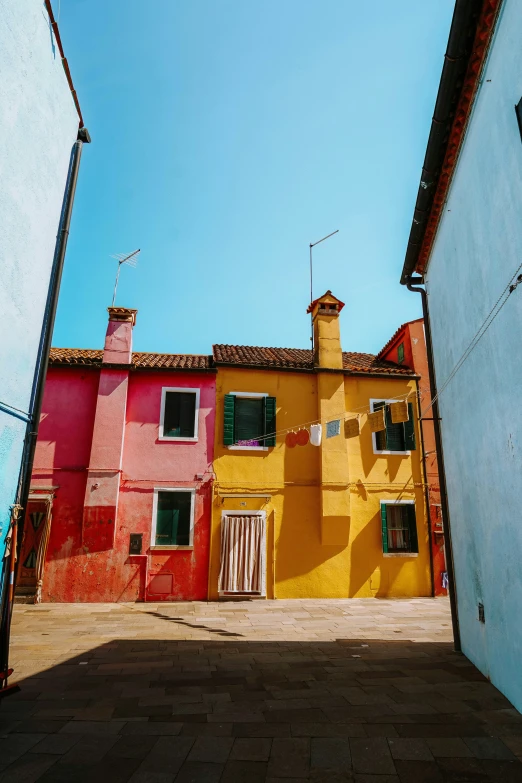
{"points": [[38, 126], [478, 247]]}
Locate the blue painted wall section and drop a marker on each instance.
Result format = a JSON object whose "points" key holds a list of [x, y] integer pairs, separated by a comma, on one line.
{"points": [[477, 249], [38, 126]]}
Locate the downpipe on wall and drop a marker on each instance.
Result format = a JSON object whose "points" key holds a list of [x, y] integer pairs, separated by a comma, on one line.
{"points": [[412, 284], [37, 393]]}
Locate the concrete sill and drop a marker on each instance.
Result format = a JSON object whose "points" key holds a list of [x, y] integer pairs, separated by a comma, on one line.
{"points": [[247, 448], [400, 554], [167, 439], [172, 546]]}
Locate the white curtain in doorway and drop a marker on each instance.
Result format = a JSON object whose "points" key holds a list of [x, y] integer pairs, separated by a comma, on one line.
{"points": [[242, 541]]}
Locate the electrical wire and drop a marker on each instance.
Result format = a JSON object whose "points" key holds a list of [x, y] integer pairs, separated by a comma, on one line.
{"points": [[514, 282], [344, 415]]}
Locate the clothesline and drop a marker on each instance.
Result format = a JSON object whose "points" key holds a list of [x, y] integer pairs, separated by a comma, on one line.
{"points": [[333, 417]]}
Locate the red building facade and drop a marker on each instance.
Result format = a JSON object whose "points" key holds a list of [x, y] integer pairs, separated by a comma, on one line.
{"points": [[408, 347], [122, 482]]}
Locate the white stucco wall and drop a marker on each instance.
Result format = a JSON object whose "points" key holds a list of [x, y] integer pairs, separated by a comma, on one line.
{"points": [[38, 126], [478, 247]]}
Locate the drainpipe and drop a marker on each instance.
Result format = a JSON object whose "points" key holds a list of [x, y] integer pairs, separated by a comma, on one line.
{"points": [[426, 493], [40, 375], [452, 590]]}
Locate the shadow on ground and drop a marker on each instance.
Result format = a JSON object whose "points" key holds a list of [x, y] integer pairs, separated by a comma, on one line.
{"points": [[160, 710]]}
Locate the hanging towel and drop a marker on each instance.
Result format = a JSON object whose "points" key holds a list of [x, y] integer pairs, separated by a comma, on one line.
{"points": [[333, 428], [316, 433], [303, 436], [241, 554], [376, 421], [351, 428], [291, 439], [399, 412]]}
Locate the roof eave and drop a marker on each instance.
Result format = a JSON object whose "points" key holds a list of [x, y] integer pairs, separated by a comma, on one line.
{"points": [[470, 35]]}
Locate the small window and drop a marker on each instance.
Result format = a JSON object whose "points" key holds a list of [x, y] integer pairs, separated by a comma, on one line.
{"points": [[174, 512], [396, 437], [399, 528], [249, 421], [400, 353], [179, 414]]}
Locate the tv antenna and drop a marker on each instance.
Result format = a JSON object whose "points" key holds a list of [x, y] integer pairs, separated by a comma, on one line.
{"points": [[312, 245], [131, 260]]}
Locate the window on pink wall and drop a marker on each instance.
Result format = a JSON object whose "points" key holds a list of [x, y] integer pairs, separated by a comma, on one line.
{"points": [[179, 414]]}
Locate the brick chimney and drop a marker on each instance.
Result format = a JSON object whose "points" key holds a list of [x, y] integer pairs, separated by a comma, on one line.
{"points": [[118, 340], [102, 490]]}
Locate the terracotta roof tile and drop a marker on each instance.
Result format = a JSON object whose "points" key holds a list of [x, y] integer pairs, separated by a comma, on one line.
{"points": [[167, 361], [300, 358]]}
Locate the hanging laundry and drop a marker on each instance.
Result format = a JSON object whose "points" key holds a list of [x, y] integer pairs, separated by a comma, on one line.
{"points": [[316, 434], [303, 437], [291, 439], [333, 428], [399, 411], [351, 428], [376, 421], [445, 580]]}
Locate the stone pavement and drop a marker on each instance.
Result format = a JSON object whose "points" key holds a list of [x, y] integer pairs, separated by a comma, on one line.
{"points": [[367, 691]]}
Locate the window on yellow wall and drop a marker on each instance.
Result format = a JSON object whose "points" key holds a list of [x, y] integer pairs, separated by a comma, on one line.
{"points": [[399, 528], [398, 438], [249, 420]]}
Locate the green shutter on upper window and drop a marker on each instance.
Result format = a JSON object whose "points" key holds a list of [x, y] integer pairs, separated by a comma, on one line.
{"points": [[412, 522], [394, 433], [409, 430], [228, 419], [384, 525], [270, 421]]}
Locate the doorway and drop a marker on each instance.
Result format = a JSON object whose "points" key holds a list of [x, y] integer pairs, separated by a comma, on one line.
{"points": [[243, 554], [37, 527]]}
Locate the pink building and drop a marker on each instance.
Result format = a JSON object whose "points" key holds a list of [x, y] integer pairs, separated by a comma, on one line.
{"points": [[122, 480]]}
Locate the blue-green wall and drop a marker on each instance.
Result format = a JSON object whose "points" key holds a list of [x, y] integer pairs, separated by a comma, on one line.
{"points": [[38, 126]]}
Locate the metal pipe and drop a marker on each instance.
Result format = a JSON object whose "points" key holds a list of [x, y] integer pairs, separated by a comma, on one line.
{"points": [[40, 375], [452, 588], [426, 491]]}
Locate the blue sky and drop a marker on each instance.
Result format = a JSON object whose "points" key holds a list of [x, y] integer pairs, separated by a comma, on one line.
{"points": [[226, 136]]}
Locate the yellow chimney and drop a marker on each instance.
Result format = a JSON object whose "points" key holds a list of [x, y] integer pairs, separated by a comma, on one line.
{"points": [[327, 338]]}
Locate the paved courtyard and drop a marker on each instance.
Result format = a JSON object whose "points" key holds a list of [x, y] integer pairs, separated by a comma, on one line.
{"points": [[367, 691]]}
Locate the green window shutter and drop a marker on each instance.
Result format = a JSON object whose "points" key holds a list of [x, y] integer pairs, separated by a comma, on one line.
{"points": [[380, 437], [409, 430], [384, 524], [171, 428], [249, 420], [187, 414], [412, 522], [270, 421], [228, 419], [394, 434], [179, 415], [400, 353], [173, 519]]}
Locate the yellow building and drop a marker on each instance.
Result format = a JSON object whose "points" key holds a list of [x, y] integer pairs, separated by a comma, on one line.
{"points": [[343, 519]]}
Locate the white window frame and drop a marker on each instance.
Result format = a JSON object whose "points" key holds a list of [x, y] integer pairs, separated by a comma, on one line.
{"points": [[400, 503], [183, 389], [254, 396], [373, 400], [241, 513], [188, 546]]}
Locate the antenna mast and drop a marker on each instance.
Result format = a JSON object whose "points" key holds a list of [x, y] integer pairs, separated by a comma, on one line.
{"points": [[121, 258], [312, 245]]}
